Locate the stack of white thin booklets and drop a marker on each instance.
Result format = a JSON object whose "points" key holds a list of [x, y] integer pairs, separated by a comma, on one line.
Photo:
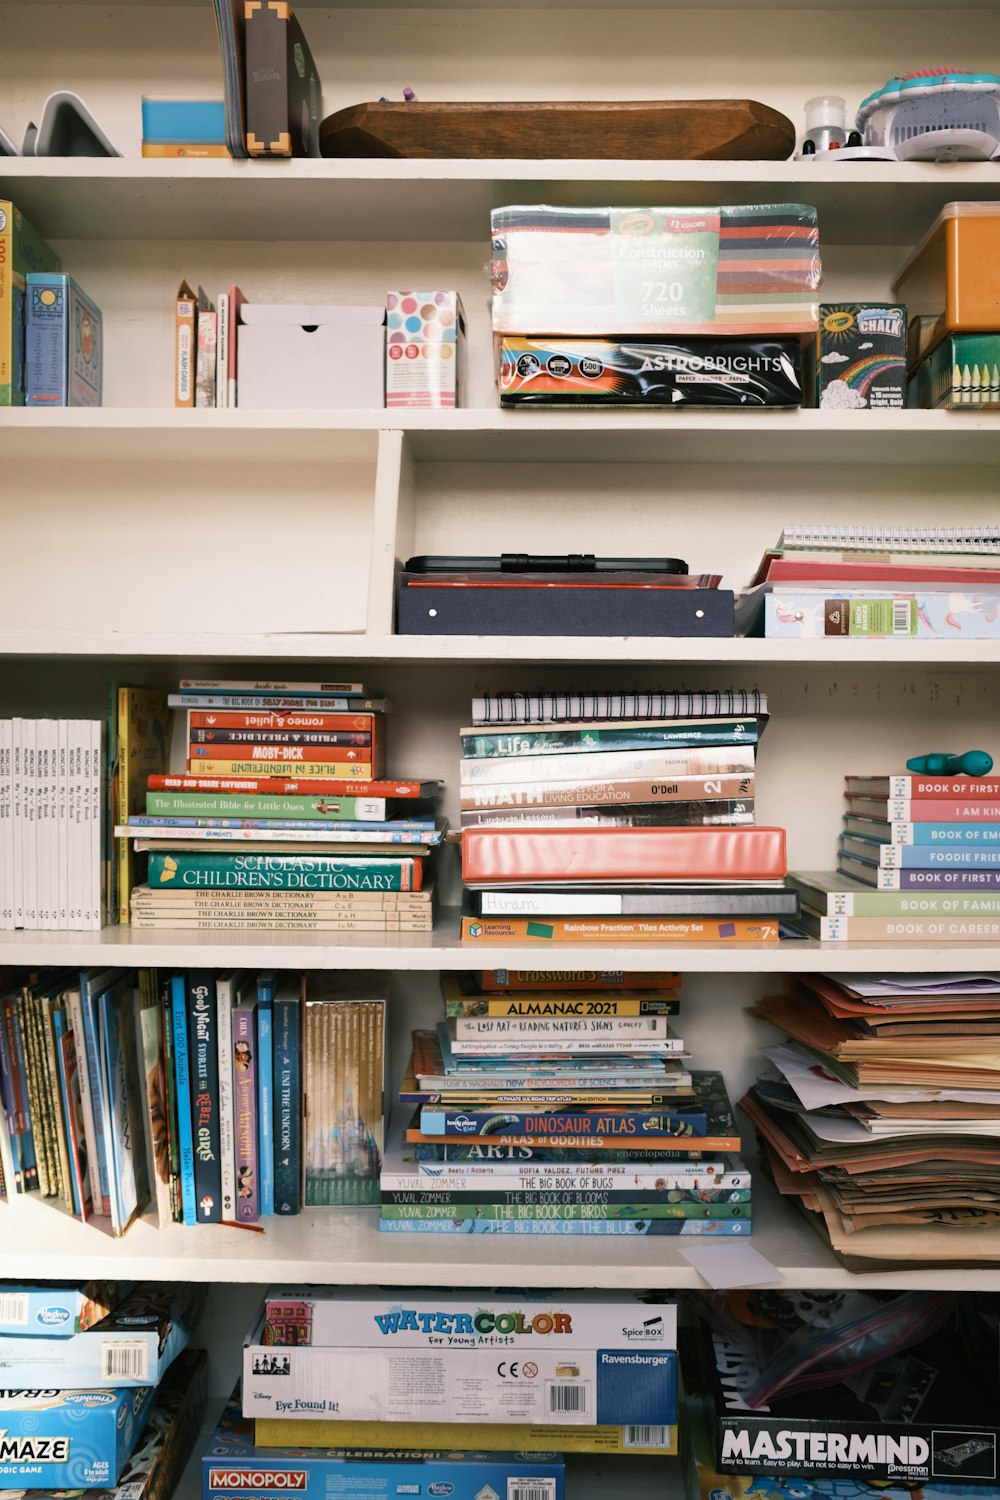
{"points": [[918, 583], [51, 777]]}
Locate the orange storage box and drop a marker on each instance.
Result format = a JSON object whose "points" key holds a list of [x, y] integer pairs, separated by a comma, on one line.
{"points": [[953, 276]]}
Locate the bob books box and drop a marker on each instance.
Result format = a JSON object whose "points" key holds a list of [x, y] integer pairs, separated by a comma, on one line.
{"points": [[233, 1469], [356, 1317], [524, 1385], [58, 1440]]}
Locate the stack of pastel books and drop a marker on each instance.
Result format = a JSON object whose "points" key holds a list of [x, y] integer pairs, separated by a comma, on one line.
{"points": [[618, 818], [283, 817], [895, 582], [561, 1105], [918, 861], [881, 1118]]}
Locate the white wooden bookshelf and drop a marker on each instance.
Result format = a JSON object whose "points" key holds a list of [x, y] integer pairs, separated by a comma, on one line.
{"points": [[140, 542]]}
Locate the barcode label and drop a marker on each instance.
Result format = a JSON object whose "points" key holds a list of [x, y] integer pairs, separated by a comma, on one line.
{"points": [[901, 617], [645, 1437], [13, 1307], [124, 1359], [131, 1490], [567, 1398], [531, 1489]]}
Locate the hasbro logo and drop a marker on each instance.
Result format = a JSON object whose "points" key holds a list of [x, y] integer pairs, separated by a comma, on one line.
{"points": [[441, 1488], [52, 1317]]}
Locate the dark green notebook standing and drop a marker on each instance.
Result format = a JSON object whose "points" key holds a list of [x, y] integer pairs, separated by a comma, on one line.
{"points": [[283, 91]]}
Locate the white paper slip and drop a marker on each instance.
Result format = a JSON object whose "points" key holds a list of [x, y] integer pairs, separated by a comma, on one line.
{"points": [[733, 1264]]}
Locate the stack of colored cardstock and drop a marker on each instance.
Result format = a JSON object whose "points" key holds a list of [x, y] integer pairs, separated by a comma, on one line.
{"points": [[562, 1110], [884, 582], [904, 835], [282, 819], [629, 826], [882, 1126], [428, 1370]]}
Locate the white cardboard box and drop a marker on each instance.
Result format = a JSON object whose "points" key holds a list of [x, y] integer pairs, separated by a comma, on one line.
{"points": [[313, 358]]}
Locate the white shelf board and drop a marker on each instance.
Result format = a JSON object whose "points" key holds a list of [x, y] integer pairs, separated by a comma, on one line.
{"points": [[137, 646], [490, 435], [881, 203], [345, 1247], [806, 6], [442, 949]]}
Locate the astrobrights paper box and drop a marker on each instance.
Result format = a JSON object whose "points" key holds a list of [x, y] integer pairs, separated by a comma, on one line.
{"points": [[564, 1386], [56, 1311], [133, 1346], [57, 1439], [232, 1467], [357, 1317]]}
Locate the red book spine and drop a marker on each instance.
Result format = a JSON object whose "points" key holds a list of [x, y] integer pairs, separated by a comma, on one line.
{"points": [[287, 753], [509, 855], [279, 737], [924, 810], [893, 575], [292, 786], [280, 719]]}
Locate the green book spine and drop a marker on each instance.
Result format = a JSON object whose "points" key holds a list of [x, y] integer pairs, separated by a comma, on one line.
{"points": [[572, 1211], [280, 872], [533, 741], [213, 805]]}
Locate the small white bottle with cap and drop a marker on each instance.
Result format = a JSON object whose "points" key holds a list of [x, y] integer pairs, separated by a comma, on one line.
{"points": [[826, 121]]}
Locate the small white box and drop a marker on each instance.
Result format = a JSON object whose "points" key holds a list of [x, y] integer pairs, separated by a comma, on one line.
{"points": [[312, 358]]}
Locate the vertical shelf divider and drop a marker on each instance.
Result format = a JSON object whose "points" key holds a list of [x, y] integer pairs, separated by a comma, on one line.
{"points": [[393, 525]]}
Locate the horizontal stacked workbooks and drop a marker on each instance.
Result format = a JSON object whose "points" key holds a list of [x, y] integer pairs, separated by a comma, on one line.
{"points": [[51, 823], [919, 583], [283, 818], [918, 861], [562, 1109], [182, 1096], [618, 818], [882, 1120]]}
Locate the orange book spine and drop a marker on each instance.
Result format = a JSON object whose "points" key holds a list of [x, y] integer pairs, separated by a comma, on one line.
{"points": [[495, 981], [606, 855], [215, 764], [615, 930], [355, 756]]}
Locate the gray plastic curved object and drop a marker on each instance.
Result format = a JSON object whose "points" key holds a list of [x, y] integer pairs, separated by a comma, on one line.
{"points": [[67, 128]]}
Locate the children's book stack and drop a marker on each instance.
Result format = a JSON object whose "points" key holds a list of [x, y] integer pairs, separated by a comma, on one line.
{"points": [[898, 582], [193, 1097], [618, 818], [435, 1370], [106, 1398], [881, 1117], [282, 818], [918, 862], [561, 1104]]}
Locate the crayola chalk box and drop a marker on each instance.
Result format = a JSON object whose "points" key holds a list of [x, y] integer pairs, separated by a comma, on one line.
{"points": [[359, 1317], [645, 372], [56, 1311], [232, 1467], [861, 356], [69, 1439], [567, 1387]]}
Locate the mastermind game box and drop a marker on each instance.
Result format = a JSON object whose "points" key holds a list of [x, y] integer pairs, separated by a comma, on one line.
{"points": [[334, 1316], [233, 1469]]}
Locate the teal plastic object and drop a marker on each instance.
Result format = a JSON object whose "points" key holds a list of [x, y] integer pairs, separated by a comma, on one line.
{"points": [[971, 763]]}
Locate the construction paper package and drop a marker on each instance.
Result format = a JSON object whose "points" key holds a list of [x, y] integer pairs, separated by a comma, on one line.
{"points": [[622, 271]]}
